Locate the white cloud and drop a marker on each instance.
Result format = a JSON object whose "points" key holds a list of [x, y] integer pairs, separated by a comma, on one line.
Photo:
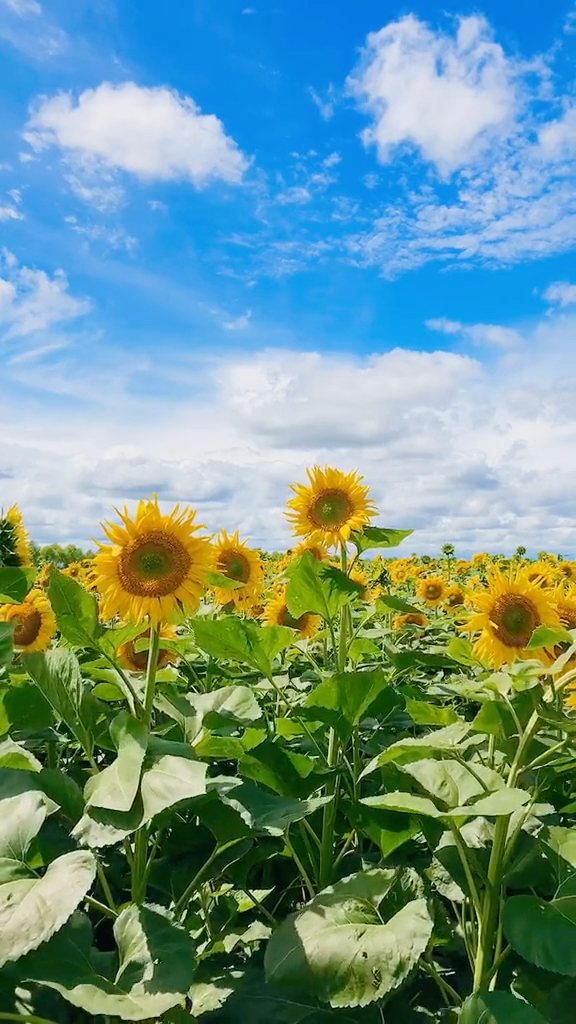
{"points": [[325, 106], [561, 293], [24, 8], [558, 138], [31, 301], [479, 334], [10, 213], [445, 95], [153, 133], [297, 195], [240, 323], [481, 456]]}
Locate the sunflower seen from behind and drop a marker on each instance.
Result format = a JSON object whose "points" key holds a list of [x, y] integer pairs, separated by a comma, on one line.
{"points": [[330, 507], [506, 614], [235, 560], [33, 621], [155, 567], [276, 613], [14, 542]]}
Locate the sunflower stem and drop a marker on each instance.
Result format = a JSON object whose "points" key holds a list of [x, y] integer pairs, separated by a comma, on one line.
{"points": [[151, 673]]}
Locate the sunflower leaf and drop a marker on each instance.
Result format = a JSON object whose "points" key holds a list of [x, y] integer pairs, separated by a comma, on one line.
{"points": [[152, 971], [318, 588], [546, 636], [15, 584], [378, 537], [242, 640], [76, 610]]}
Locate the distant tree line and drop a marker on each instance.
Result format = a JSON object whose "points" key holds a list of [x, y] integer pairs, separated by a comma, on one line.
{"points": [[58, 555]]}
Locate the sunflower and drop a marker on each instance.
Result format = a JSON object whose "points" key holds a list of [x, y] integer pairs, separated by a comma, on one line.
{"points": [[34, 622], [480, 558], [14, 542], [331, 507], [276, 614], [155, 566], [432, 590], [235, 560], [137, 661], [567, 570], [410, 619], [454, 597], [507, 614], [541, 572], [74, 570], [317, 549], [565, 604]]}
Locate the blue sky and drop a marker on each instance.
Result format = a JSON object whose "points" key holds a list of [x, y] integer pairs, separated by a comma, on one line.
{"points": [[239, 238]]}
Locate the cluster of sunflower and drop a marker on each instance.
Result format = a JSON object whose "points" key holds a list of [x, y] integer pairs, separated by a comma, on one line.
{"points": [[156, 568]]}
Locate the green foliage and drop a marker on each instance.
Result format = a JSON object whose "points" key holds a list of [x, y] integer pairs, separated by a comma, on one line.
{"points": [[367, 826]]}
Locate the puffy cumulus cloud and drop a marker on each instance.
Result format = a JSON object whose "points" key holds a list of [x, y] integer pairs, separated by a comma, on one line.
{"points": [[313, 400], [479, 453], [153, 133], [410, 77], [32, 302]]}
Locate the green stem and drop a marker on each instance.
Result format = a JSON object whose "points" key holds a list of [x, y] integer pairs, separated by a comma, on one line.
{"points": [[151, 674], [303, 872], [28, 1018], [190, 889], [105, 887], [489, 921], [139, 865], [449, 994], [97, 905], [329, 814]]}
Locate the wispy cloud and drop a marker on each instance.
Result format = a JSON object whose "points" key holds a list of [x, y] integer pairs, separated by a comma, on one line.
{"points": [[479, 334], [326, 104], [32, 301], [561, 293]]}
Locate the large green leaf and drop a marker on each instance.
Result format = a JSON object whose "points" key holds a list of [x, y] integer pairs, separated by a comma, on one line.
{"points": [[15, 755], [378, 537], [338, 947], [21, 818], [544, 933], [451, 782], [58, 677], [115, 788], [345, 699], [170, 775], [498, 1008], [100, 826], [502, 802], [264, 811], [32, 909], [242, 640], [76, 610], [318, 588], [197, 712], [423, 712], [6, 649], [452, 737], [15, 584], [153, 971]]}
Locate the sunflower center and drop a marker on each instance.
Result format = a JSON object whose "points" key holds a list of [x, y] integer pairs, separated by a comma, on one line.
{"points": [[515, 618], [455, 599], [234, 565], [153, 565], [433, 591], [27, 627], [330, 509], [285, 619]]}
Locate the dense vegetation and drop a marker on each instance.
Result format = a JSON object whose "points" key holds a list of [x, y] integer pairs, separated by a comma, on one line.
{"points": [[309, 788]]}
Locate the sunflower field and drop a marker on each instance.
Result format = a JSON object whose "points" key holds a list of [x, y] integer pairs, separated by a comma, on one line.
{"points": [[327, 785]]}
